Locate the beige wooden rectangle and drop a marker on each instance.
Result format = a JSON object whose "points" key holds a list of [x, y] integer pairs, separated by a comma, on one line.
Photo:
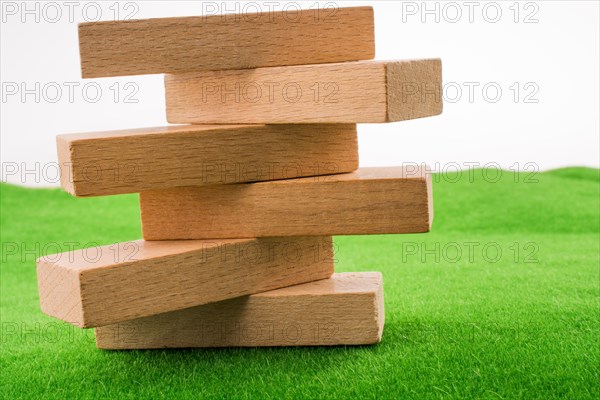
{"points": [[232, 41], [131, 161], [368, 201], [351, 92], [346, 309], [110, 284]]}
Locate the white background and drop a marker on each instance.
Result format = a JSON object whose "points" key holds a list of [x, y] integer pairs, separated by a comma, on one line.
{"points": [[547, 47]]}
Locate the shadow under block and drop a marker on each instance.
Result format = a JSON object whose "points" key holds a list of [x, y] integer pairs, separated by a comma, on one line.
{"points": [[232, 41], [110, 284], [351, 92], [368, 201], [131, 161], [346, 309]]}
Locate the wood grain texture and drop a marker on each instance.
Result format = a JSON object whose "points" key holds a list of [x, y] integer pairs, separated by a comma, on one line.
{"points": [[233, 41], [131, 161], [110, 284], [352, 92], [368, 201], [346, 309]]}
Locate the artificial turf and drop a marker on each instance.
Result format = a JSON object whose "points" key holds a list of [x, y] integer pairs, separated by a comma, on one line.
{"points": [[500, 300]]}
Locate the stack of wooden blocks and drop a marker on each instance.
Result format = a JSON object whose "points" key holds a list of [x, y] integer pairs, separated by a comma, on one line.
{"points": [[238, 219]]}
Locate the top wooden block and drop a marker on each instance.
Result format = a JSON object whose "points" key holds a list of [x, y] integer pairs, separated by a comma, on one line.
{"points": [[231, 41]]}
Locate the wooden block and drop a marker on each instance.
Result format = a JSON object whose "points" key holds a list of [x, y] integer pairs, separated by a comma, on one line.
{"points": [[233, 41], [346, 309], [356, 92], [368, 201], [110, 284], [131, 161]]}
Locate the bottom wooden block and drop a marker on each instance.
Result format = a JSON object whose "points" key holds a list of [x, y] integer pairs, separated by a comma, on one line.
{"points": [[346, 309]]}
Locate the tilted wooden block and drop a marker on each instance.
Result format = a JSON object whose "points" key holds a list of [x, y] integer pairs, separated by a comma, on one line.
{"points": [[368, 201], [110, 284], [130, 161], [232, 41], [346, 309], [352, 92]]}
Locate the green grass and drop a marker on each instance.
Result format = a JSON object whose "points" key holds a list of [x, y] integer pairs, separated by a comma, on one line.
{"points": [[523, 324]]}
